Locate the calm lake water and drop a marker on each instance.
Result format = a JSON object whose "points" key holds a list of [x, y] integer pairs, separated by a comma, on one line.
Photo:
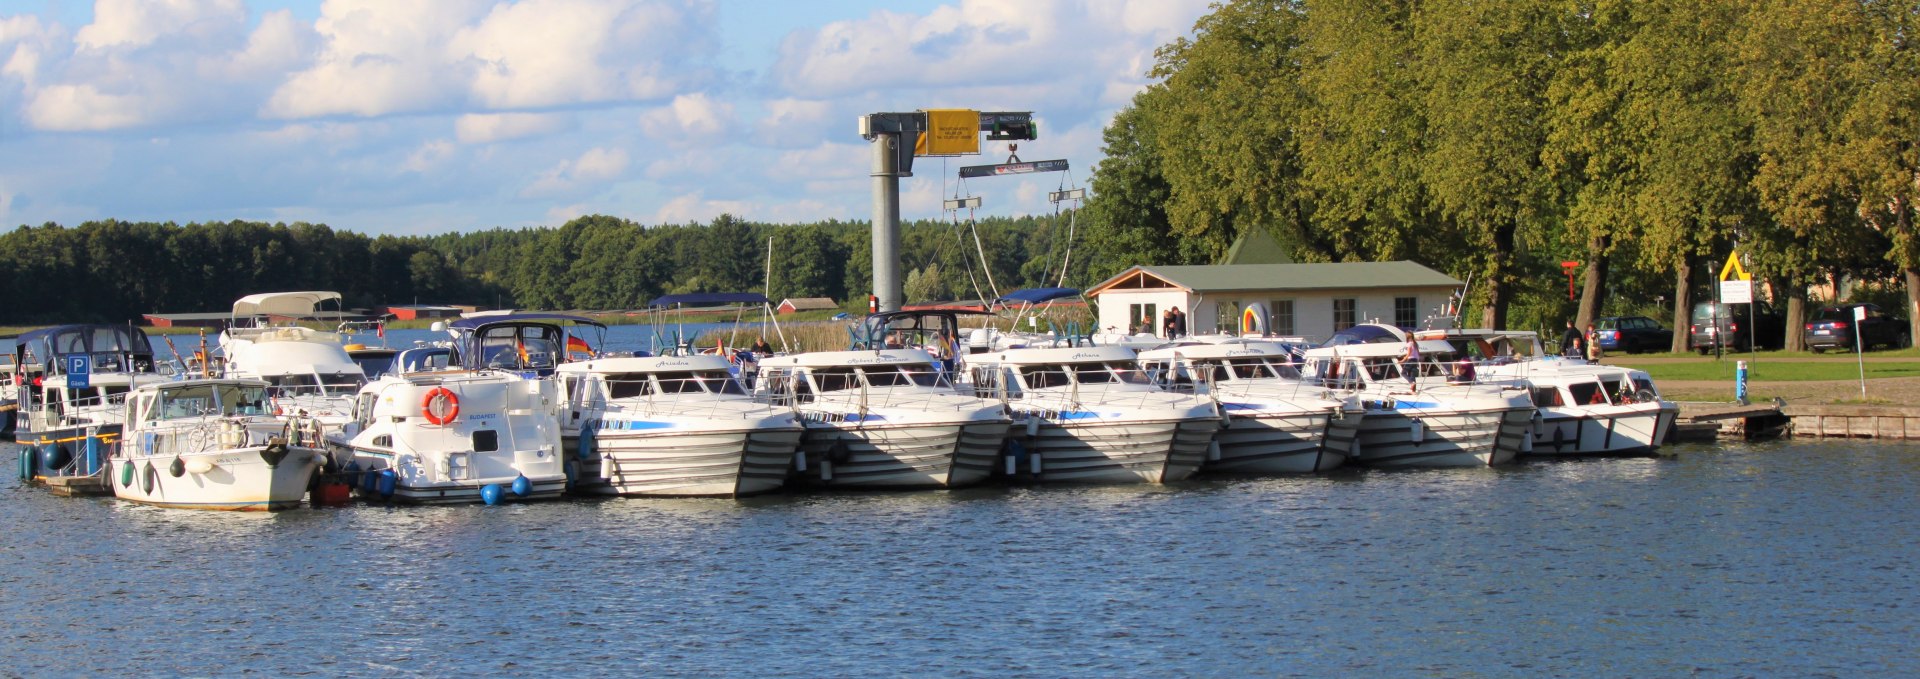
{"points": [[1788, 559]]}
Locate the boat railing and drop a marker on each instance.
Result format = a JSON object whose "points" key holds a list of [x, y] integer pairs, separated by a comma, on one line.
{"points": [[1063, 385], [686, 397], [790, 388]]}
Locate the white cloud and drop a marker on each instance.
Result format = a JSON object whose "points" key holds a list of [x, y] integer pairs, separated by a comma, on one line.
{"points": [[597, 165], [487, 128], [138, 23], [429, 155], [562, 214], [386, 57], [688, 119], [694, 207], [83, 107]]}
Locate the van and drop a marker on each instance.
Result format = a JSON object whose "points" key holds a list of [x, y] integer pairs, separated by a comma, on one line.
{"points": [[1735, 327]]}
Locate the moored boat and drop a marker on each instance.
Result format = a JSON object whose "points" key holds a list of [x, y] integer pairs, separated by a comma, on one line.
{"points": [[1273, 421], [886, 412], [210, 444], [671, 426], [1418, 413], [1090, 415], [476, 420], [1583, 408]]}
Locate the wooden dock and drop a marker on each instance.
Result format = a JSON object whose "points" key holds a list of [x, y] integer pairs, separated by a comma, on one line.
{"points": [[78, 486], [1711, 421]]}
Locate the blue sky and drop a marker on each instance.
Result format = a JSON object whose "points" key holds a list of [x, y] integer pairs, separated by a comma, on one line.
{"points": [[427, 116]]}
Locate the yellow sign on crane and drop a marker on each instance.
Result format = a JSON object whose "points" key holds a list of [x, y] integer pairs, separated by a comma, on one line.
{"points": [[950, 132]]}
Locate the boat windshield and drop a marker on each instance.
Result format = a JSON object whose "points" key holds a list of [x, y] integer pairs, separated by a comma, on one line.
{"points": [[1117, 372], [904, 376], [344, 384], [518, 347], [208, 399]]}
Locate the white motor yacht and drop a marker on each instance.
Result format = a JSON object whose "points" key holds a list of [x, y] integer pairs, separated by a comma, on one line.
{"points": [[1089, 414], [1418, 412], [1273, 420], [477, 420], [1583, 408], [211, 444], [887, 418], [672, 426]]}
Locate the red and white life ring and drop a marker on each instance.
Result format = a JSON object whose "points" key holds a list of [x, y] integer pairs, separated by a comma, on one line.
{"points": [[440, 406]]}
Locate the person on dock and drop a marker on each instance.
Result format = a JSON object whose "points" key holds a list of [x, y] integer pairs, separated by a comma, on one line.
{"points": [[1594, 353]]}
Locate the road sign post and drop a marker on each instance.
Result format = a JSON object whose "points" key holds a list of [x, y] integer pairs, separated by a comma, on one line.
{"points": [[79, 372], [1859, 359], [1736, 287]]}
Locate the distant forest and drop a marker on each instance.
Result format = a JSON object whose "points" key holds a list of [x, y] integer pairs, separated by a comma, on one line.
{"points": [[114, 271]]}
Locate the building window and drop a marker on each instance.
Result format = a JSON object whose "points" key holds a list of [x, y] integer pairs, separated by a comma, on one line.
{"points": [[1342, 314], [1282, 321], [1143, 318], [1406, 312], [1227, 315]]}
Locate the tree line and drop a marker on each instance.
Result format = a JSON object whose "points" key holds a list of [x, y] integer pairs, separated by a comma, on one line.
{"points": [[1645, 139], [114, 271]]}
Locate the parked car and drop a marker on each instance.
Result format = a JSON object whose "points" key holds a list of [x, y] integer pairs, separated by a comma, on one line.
{"points": [[1833, 328], [1734, 327], [1632, 334]]}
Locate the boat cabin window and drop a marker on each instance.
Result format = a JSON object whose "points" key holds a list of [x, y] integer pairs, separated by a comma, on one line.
{"points": [[207, 399], [1043, 377], [624, 385], [904, 376], [516, 347], [363, 409], [1612, 384], [698, 382], [834, 379], [373, 365], [1644, 384], [1587, 393], [1382, 369], [1547, 397]]}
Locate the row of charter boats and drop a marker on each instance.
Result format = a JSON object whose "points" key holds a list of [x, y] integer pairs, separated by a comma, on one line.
{"points": [[519, 406]]}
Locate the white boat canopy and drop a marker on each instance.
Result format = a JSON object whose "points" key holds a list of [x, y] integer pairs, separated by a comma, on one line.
{"points": [[283, 303]]}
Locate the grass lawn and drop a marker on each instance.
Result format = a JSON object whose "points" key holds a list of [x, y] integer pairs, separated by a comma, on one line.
{"points": [[1769, 353], [1782, 371]]}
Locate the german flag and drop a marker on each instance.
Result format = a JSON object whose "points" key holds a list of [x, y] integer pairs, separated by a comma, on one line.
{"points": [[576, 345]]}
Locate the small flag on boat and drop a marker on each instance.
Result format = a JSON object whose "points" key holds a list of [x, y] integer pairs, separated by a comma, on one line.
{"points": [[380, 329], [520, 345], [576, 345]]}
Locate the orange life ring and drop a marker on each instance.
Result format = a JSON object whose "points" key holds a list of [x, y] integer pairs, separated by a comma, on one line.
{"points": [[451, 402]]}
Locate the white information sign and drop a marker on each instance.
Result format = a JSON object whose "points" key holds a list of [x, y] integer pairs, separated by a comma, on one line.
{"points": [[1860, 313], [1736, 292]]}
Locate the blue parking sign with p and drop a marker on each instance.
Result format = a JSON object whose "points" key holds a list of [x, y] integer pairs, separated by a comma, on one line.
{"points": [[79, 369]]}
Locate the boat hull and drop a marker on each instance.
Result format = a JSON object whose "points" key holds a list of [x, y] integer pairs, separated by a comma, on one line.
{"points": [[1110, 451], [234, 480], [1451, 438], [719, 463], [917, 455], [1610, 430], [1300, 443]]}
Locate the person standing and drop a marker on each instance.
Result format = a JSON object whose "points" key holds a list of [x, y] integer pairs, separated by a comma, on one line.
{"points": [[1594, 353], [1179, 322], [1572, 345], [1166, 324]]}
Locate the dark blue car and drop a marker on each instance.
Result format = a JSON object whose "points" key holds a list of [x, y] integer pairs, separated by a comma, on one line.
{"points": [[1629, 334]]}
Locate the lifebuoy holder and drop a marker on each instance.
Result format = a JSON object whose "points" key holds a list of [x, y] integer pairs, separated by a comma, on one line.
{"points": [[440, 406]]}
